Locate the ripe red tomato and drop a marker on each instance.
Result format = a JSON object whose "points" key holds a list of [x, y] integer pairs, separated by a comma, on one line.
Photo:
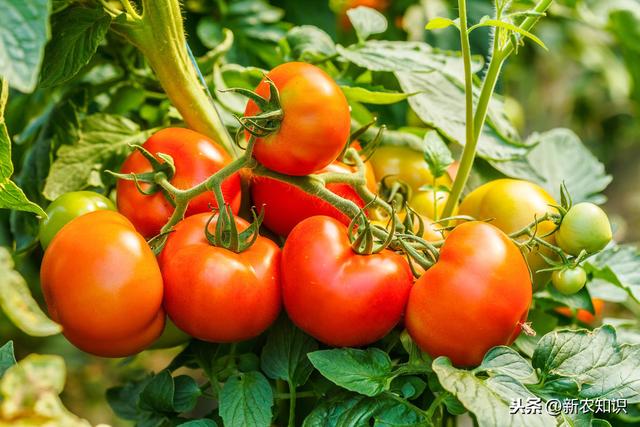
{"points": [[316, 123], [583, 315], [196, 157], [217, 295], [102, 283], [287, 205], [336, 295], [473, 298]]}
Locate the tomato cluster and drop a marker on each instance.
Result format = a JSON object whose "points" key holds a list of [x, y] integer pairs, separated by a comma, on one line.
{"points": [[218, 280]]}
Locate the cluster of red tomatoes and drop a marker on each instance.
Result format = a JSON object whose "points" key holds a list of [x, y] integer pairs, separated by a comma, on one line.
{"points": [[111, 294]]}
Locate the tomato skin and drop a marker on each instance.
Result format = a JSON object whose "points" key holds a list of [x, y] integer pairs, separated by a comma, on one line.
{"points": [[568, 281], [316, 123], [196, 157], [431, 205], [473, 298], [67, 207], [214, 294], [286, 205], [512, 205], [102, 283], [406, 165], [584, 227], [335, 295]]}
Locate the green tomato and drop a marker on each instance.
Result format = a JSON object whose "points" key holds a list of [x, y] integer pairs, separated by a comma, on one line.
{"points": [[584, 227], [67, 207], [569, 280]]}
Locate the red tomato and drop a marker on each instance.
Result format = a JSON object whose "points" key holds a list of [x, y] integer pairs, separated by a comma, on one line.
{"points": [[287, 205], [196, 157], [473, 298], [102, 283], [217, 295], [336, 295], [583, 315], [316, 123]]}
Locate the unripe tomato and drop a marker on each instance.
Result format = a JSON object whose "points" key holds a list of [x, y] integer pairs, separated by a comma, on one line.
{"points": [[431, 203], [406, 165], [102, 283], [474, 298], [584, 227], [511, 205], [336, 295], [583, 315], [196, 157], [569, 280], [316, 123], [214, 294], [67, 207], [286, 205]]}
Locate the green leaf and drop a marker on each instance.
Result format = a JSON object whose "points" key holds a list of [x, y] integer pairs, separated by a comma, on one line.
{"points": [[366, 22], [366, 372], [24, 31], [284, 356], [18, 304], [504, 360], [489, 399], [246, 400], [7, 358], [100, 139], [157, 395], [510, 27], [366, 96], [581, 300], [199, 423], [436, 154], [594, 360], [79, 31], [408, 386], [438, 23], [620, 266], [186, 393], [124, 400], [310, 43], [627, 330]]}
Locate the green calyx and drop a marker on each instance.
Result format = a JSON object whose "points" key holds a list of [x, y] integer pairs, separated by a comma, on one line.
{"points": [[271, 114], [226, 233]]}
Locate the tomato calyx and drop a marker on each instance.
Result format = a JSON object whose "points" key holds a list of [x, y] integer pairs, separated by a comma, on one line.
{"points": [[269, 119], [361, 234], [226, 233]]}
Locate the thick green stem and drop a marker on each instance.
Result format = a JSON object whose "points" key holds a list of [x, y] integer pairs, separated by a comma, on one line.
{"points": [[159, 34], [292, 404]]}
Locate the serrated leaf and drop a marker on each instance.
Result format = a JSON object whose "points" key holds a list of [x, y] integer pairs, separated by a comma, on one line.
{"points": [[78, 33], [100, 139], [489, 399], [284, 356], [366, 372], [366, 96], [581, 300], [7, 358], [436, 154], [24, 31], [438, 23], [246, 400], [18, 304], [504, 360], [366, 22], [620, 266], [308, 42]]}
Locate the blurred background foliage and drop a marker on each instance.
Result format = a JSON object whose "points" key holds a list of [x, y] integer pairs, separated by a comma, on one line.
{"points": [[588, 81]]}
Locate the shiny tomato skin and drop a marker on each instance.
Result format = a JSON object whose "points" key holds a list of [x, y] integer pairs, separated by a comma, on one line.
{"points": [[335, 295], [196, 157], [473, 298], [214, 294], [286, 205], [316, 123], [102, 283]]}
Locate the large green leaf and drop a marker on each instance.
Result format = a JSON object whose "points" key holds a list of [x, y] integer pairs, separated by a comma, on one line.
{"points": [[18, 304], [619, 266], [246, 400], [366, 22], [24, 31]]}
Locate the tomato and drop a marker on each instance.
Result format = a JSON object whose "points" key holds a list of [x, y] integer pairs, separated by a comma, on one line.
{"points": [[316, 123], [569, 280], [431, 203], [336, 295], [583, 315], [102, 283], [67, 207], [196, 157], [287, 205], [474, 298], [214, 294], [511, 205], [584, 227], [406, 165]]}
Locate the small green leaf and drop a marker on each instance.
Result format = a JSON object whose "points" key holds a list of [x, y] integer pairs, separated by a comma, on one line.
{"points": [[157, 395], [366, 372], [436, 154], [366, 96], [511, 27], [18, 304], [366, 22], [186, 393], [284, 356], [438, 23], [124, 400], [7, 358], [246, 400], [79, 31], [199, 423], [308, 43]]}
